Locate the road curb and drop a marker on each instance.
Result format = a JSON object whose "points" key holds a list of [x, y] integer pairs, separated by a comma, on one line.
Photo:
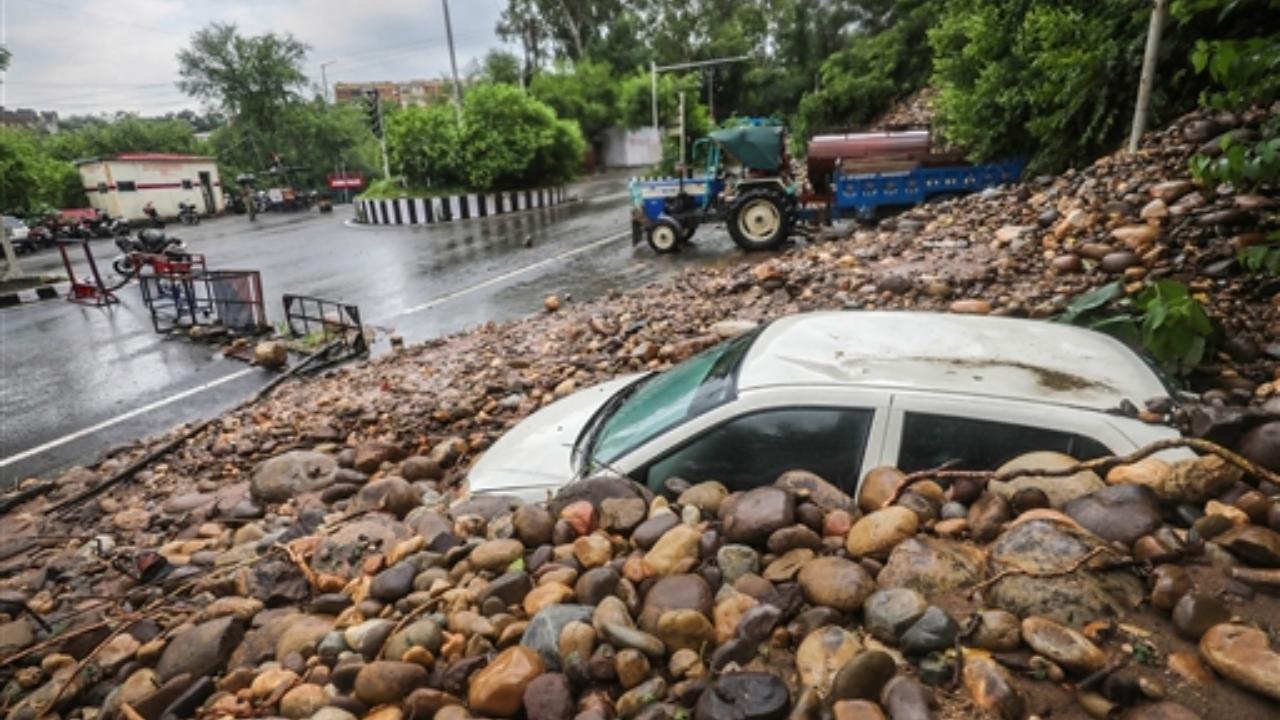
{"points": [[453, 208], [34, 295]]}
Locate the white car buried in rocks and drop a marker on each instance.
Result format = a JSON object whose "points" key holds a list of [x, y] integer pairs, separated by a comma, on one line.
{"points": [[838, 393]]}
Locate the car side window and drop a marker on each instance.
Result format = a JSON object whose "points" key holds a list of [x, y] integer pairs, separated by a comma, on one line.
{"points": [[930, 441], [753, 450]]}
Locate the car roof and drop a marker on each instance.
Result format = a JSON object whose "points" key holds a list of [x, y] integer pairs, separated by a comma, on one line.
{"points": [[997, 357]]}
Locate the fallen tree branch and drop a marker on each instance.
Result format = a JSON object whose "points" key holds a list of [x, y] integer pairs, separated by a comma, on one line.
{"points": [[986, 477], [1070, 569], [14, 499]]}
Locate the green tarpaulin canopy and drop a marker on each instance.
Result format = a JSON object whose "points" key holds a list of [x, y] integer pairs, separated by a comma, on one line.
{"points": [[759, 148]]}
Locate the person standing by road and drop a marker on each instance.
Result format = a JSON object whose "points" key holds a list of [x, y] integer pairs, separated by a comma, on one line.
{"points": [[250, 204]]}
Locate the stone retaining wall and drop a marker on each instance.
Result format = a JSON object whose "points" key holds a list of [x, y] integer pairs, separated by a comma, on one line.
{"points": [[448, 208]]}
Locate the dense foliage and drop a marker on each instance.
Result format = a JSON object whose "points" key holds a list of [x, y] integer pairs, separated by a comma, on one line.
{"points": [[31, 180], [252, 77], [586, 92], [1243, 60], [272, 130], [1050, 79], [123, 133], [505, 139], [858, 82]]}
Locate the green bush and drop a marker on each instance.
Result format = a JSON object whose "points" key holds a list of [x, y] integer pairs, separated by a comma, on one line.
{"points": [[507, 139], [1163, 319], [31, 180], [586, 92], [423, 145]]}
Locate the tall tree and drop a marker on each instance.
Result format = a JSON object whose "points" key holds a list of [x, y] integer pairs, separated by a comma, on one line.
{"points": [[251, 78]]}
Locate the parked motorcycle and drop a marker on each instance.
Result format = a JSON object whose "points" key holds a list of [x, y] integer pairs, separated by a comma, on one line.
{"points": [[187, 214], [147, 242], [108, 227]]}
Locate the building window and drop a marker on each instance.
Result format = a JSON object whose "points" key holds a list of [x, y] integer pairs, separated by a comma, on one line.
{"points": [[102, 188], [186, 184], [126, 186]]}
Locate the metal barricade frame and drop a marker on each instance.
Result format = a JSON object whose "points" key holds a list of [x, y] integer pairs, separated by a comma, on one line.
{"points": [[182, 300], [323, 321]]}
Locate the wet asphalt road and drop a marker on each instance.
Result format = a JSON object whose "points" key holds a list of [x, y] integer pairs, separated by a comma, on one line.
{"points": [[79, 380]]}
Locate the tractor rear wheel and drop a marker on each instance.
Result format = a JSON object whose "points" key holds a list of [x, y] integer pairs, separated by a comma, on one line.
{"points": [[759, 220], [664, 236]]}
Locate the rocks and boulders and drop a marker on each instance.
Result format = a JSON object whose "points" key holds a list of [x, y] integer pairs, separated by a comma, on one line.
{"points": [[312, 556]]}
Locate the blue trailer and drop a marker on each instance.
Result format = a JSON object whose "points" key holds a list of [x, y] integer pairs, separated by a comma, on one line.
{"points": [[746, 183]]}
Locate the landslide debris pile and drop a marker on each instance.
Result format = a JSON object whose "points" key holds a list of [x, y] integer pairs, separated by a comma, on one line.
{"points": [[297, 559], [319, 591]]}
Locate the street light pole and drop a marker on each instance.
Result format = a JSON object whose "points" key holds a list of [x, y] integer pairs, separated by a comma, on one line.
{"points": [[4, 43], [324, 78], [453, 63]]}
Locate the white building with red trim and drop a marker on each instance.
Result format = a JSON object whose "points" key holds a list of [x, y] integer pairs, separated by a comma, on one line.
{"points": [[123, 185]]}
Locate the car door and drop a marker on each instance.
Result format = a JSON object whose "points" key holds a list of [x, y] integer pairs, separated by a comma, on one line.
{"points": [[833, 432], [926, 430]]}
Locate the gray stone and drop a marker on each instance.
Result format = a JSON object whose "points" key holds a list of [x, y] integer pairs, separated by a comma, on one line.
{"points": [[1121, 513], [935, 630], [202, 650], [737, 560], [749, 518], [889, 612], [543, 631], [291, 474], [1043, 546]]}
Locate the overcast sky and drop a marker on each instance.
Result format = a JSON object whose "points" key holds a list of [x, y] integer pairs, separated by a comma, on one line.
{"points": [[90, 56]]}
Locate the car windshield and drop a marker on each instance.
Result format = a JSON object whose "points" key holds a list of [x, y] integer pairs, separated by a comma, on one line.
{"points": [[686, 391]]}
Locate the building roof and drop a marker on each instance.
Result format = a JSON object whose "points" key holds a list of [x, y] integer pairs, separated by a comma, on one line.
{"points": [[962, 354], [147, 157]]}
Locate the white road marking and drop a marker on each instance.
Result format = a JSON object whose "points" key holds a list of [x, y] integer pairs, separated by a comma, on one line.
{"points": [[241, 373], [513, 273], [123, 417]]}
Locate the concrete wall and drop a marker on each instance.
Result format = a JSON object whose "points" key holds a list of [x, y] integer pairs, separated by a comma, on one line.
{"points": [[631, 148], [449, 208], [158, 182]]}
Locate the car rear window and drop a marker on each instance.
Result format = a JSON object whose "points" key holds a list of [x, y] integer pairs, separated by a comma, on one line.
{"points": [[930, 441]]}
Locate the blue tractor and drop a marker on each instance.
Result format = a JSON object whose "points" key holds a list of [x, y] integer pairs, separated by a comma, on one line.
{"points": [[747, 183]]}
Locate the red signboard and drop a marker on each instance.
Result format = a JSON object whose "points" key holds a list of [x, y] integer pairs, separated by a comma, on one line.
{"points": [[346, 182]]}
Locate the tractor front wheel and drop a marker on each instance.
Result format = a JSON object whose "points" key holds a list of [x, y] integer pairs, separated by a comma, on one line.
{"points": [[759, 220], [664, 236]]}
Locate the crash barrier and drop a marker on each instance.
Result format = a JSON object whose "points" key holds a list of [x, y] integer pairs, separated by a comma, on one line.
{"points": [[181, 298], [448, 208], [86, 289], [319, 322]]}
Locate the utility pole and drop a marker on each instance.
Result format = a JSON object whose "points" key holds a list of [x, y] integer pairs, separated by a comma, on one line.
{"points": [[653, 92], [453, 63], [711, 94], [682, 136], [382, 140], [1148, 75], [324, 78]]}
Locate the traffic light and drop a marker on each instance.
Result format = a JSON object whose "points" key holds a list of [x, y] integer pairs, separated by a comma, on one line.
{"points": [[373, 108]]}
